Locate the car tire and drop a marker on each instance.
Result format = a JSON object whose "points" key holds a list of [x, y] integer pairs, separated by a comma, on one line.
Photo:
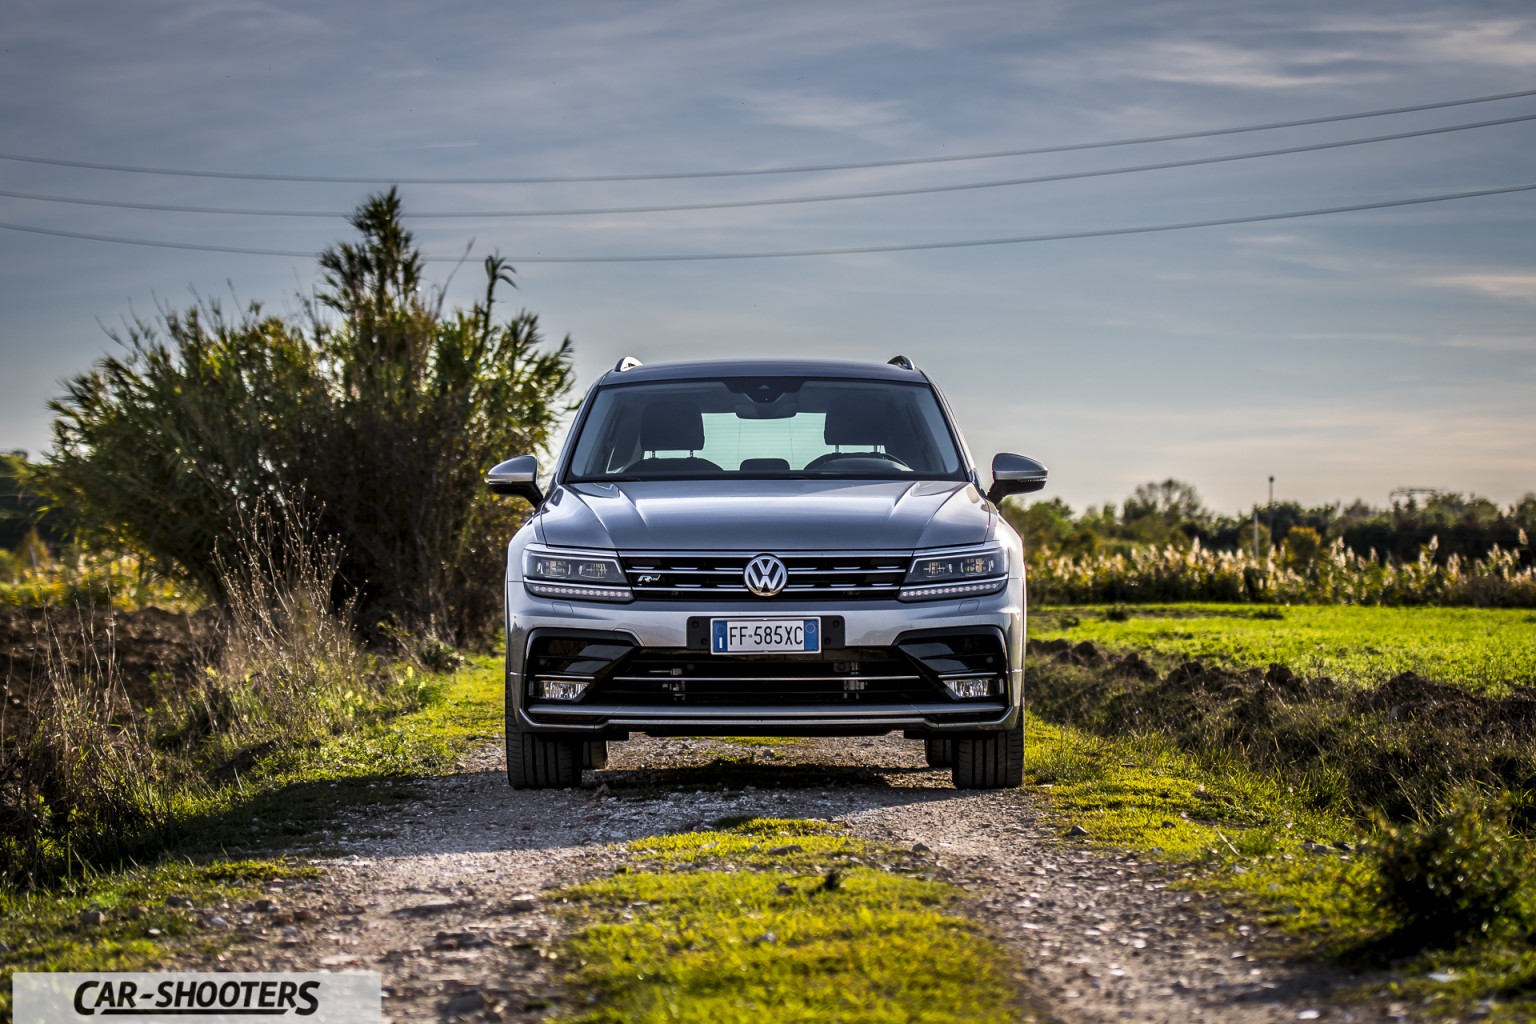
{"points": [[542, 762], [940, 752], [990, 760], [594, 754]]}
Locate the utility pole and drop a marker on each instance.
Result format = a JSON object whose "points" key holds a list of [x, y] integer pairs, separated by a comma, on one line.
{"points": [[1271, 513]]}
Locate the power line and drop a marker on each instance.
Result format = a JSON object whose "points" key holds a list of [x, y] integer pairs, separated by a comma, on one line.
{"points": [[747, 172], [796, 200], [842, 251], [194, 246]]}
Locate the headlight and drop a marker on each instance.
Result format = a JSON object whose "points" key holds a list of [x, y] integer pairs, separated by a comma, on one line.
{"points": [[956, 574], [580, 576]]}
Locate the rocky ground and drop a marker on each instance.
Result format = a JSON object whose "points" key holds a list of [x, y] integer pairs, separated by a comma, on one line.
{"points": [[441, 895]]}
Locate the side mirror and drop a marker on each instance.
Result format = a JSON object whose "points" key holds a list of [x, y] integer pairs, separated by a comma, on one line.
{"points": [[517, 477], [1014, 474]]}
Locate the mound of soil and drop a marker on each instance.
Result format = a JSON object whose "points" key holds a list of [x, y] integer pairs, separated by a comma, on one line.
{"points": [[1399, 747], [143, 646]]}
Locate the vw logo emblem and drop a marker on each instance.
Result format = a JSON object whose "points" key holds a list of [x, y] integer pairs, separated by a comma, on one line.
{"points": [[765, 575]]}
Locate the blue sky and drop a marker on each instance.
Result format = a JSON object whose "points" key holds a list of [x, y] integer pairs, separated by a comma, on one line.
{"points": [[1346, 355]]}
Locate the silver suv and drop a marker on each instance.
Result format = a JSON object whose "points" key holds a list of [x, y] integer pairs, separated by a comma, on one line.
{"points": [[765, 548]]}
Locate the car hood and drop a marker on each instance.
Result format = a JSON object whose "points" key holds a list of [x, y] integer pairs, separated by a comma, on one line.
{"points": [[766, 515]]}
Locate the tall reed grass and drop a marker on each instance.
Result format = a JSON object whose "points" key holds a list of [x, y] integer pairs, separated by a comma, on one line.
{"points": [[78, 784], [1336, 576], [88, 777]]}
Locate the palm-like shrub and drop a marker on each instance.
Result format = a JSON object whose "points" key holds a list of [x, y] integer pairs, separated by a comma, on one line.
{"points": [[373, 418]]}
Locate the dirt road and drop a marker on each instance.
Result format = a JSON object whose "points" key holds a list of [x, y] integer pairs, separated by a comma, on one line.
{"points": [[442, 894]]}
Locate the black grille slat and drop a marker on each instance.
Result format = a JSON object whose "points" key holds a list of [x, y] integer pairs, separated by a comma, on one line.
{"points": [[669, 679], [573, 658], [714, 693], [959, 657], [839, 575]]}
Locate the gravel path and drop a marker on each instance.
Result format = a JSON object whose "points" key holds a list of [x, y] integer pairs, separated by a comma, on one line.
{"points": [[441, 894]]}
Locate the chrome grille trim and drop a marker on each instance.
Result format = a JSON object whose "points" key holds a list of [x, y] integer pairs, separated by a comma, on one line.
{"points": [[812, 574]]}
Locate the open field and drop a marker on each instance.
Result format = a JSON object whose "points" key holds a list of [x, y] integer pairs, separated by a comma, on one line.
{"points": [[1144, 849], [1414, 728], [1488, 649], [1369, 711], [400, 848]]}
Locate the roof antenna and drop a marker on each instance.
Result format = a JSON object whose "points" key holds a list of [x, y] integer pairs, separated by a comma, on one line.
{"points": [[901, 361], [627, 363]]}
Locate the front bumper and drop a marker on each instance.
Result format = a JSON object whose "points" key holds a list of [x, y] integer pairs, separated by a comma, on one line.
{"points": [[871, 632]]}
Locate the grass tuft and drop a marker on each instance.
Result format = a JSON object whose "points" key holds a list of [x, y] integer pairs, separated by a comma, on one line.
{"points": [[1457, 877], [781, 920]]}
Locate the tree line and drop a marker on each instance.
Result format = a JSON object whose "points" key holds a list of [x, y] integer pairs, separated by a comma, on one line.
{"points": [[1171, 512]]}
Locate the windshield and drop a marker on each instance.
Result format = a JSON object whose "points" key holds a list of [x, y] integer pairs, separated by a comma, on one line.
{"points": [[765, 428]]}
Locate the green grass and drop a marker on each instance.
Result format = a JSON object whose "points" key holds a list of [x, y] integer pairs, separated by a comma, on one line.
{"points": [[1139, 793], [284, 798], [44, 931], [1242, 835], [1489, 649], [784, 921], [293, 793]]}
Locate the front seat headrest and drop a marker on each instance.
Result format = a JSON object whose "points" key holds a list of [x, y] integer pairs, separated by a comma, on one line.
{"points": [[672, 425]]}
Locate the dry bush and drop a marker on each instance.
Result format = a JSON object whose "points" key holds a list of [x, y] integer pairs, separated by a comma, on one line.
{"points": [[78, 784], [89, 778], [290, 668]]}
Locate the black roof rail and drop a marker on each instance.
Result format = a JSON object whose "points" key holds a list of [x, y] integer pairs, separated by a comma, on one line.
{"points": [[901, 361], [627, 363]]}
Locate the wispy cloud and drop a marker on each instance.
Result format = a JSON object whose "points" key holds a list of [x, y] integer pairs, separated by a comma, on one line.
{"points": [[1502, 343], [1319, 452], [875, 119], [1513, 286], [1231, 65], [1500, 42], [247, 17], [1290, 48]]}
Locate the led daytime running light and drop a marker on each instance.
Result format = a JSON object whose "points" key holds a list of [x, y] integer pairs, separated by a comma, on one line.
{"points": [[953, 589], [575, 590]]}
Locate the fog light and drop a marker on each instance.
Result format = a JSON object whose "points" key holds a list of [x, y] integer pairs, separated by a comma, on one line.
{"points": [[560, 689], [969, 689]]}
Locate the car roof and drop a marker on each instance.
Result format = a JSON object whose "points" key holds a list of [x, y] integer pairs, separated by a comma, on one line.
{"points": [[712, 368]]}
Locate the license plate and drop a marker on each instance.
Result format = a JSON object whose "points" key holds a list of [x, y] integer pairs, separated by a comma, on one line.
{"points": [[765, 636]]}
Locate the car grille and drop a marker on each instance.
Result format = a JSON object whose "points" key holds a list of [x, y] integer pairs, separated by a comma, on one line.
{"points": [[913, 671], [675, 575]]}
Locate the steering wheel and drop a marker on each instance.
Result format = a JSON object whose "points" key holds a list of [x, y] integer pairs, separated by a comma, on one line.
{"points": [[822, 460]]}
